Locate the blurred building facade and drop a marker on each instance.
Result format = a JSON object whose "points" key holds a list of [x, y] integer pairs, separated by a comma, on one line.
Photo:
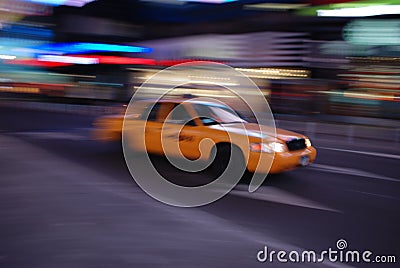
{"points": [[305, 63]]}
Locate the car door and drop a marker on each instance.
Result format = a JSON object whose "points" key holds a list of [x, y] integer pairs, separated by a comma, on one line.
{"points": [[180, 133], [155, 124]]}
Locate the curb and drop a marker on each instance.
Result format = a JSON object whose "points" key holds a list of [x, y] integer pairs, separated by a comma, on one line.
{"points": [[349, 131], [94, 110]]}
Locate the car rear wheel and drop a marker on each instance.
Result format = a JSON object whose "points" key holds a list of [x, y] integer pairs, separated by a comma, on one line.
{"points": [[227, 159]]}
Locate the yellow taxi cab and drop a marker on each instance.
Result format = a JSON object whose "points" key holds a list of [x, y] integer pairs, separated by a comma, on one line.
{"points": [[196, 129]]}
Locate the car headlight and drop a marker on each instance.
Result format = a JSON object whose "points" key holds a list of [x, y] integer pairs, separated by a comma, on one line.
{"points": [[308, 142], [269, 147]]}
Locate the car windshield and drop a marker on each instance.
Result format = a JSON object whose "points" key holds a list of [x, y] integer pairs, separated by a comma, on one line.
{"points": [[217, 114]]}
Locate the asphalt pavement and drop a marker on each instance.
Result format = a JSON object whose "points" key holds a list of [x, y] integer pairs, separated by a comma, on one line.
{"points": [[69, 201]]}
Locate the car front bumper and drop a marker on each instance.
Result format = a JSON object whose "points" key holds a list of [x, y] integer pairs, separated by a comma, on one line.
{"points": [[281, 162]]}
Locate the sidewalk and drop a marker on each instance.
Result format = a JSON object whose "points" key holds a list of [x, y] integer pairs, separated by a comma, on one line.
{"points": [[349, 127], [350, 132], [60, 107]]}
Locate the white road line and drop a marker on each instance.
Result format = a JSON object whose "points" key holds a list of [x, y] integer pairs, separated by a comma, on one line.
{"points": [[276, 195], [53, 135], [394, 156], [377, 195], [351, 171]]}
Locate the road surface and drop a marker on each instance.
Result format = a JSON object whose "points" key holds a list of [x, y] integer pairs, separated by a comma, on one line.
{"points": [[69, 201]]}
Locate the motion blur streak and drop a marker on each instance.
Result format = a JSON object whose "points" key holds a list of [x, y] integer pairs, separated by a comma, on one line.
{"points": [[68, 200], [361, 11]]}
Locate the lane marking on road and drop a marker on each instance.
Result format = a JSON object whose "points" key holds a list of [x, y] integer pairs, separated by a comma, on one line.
{"points": [[394, 156], [376, 195], [351, 171], [276, 195], [53, 135]]}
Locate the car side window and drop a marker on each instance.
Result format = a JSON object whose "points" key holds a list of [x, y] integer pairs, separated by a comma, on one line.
{"points": [[179, 115], [152, 115]]}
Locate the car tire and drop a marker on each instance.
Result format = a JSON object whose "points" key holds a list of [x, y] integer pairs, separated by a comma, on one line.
{"points": [[226, 160]]}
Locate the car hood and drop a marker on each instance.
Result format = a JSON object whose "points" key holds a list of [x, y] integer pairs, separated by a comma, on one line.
{"points": [[259, 131]]}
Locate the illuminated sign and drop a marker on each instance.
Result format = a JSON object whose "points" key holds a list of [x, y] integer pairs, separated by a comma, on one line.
{"points": [[360, 11], [183, 1], [68, 59], [372, 32], [209, 1], [354, 9], [79, 48], [76, 3]]}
